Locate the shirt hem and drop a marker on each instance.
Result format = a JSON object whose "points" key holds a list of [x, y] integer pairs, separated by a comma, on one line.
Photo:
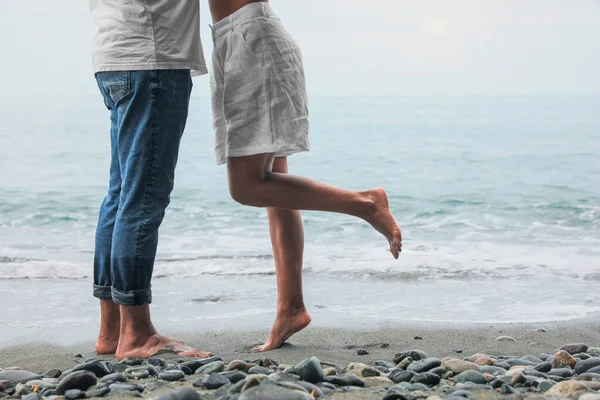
{"points": [[196, 69]]}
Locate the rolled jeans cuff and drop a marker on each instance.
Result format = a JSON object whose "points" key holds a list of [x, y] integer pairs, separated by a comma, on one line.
{"points": [[132, 297], [102, 292]]}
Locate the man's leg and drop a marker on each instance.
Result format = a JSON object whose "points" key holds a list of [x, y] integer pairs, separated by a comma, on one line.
{"points": [[108, 337], [287, 238], [151, 123], [253, 182]]}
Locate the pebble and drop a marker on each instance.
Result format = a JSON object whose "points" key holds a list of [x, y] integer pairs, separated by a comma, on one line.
{"points": [[181, 394], [470, 376], [590, 396], [424, 365], [568, 389], [195, 364], [126, 387], [171, 376], [81, 380], [329, 371], [17, 376], [517, 362], [585, 365], [491, 369], [345, 380], [485, 360], [273, 392], [156, 362], [211, 368], [72, 394], [100, 392], [377, 381], [97, 367], [575, 348], [426, 378], [405, 363], [309, 370], [399, 375], [457, 366], [234, 376], [563, 359], [362, 352], [52, 373], [239, 366], [293, 386], [562, 372], [32, 396], [507, 389], [114, 377], [543, 367], [595, 370], [260, 370], [131, 361], [250, 382], [416, 355], [383, 363], [505, 338], [215, 381]]}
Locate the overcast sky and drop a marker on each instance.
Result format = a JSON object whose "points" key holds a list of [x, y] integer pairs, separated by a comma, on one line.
{"points": [[374, 47]]}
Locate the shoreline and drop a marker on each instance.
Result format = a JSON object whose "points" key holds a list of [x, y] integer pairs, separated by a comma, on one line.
{"points": [[334, 344]]}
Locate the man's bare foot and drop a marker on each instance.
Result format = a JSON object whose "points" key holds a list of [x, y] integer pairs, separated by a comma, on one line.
{"points": [[382, 220], [286, 324], [155, 344], [107, 344], [110, 325]]}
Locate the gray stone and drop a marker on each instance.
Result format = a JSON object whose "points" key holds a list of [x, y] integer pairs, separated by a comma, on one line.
{"points": [[544, 367], [310, 388], [171, 376], [575, 348], [284, 377], [461, 393], [195, 364], [234, 376], [545, 385], [131, 361], [532, 358], [417, 386], [17, 376], [416, 355], [424, 365], [383, 363], [215, 381], [126, 387], [32, 396], [99, 368], [507, 389], [114, 377], [184, 393], [513, 362], [585, 365], [426, 378], [273, 392], [156, 362], [53, 373], [470, 376], [73, 394], [100, 392], [562, 372], [345, 380], [260, 370], [399, 375], [310, 370], [81, 380], [211, 368], [595, 370], [491, 369]]}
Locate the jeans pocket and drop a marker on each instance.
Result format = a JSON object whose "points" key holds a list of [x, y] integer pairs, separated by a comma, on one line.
{"points": [[115, 86]]}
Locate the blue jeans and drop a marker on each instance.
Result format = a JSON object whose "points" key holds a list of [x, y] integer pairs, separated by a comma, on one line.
{"points": [[148, 112]]}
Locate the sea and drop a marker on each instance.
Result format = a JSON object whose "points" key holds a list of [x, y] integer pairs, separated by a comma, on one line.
{"points": [[498, 199]]}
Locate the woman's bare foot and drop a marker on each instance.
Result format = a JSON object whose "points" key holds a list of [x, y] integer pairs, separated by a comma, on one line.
{"points": [[110, 324], [155, 343], [286, 324], [382, 220]]}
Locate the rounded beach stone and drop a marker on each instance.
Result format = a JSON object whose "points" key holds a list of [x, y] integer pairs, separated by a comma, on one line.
{"points": [[99, 368], [260, 370], [100, 392], [563, 359], [73, 394], [17, 376], [424, 365], [426, 378], [457, 366], [399, 375], [329, 371], [52, 373], [377, 381], [470, 376], [364, 372], [310, 370], [215, 381], [131, 361], [115, 377], [32, 396], [585, 365], [239, 366], [345, 380], [81, 380], [172, 375], [211, 368], [575, 348], [416, 355], [156, 362], [126, 387], [405, 363], [568, 389], [590, 396], [250, 382], [544, 367], [273, 392], [562, 372], [234, 376], [185, 393], [484, 360]]}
